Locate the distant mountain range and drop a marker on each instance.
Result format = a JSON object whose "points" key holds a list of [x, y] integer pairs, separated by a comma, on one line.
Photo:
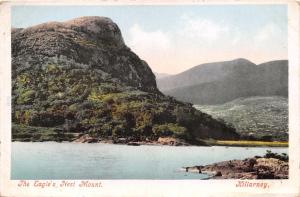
{"points": [[220, 82], [161, 75]]}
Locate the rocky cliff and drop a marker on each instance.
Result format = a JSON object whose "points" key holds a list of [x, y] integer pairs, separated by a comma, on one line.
{"points": [[93, 42], [78, 77]]}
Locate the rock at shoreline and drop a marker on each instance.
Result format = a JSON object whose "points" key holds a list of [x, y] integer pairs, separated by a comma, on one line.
{"points": [[250, 168], [171, 141], [86, 139], [132, 142]]}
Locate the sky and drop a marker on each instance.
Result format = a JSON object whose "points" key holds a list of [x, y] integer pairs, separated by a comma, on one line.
{"points": [[172, 39]]}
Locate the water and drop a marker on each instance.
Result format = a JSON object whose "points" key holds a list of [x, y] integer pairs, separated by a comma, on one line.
{"points": [[51, 160]]}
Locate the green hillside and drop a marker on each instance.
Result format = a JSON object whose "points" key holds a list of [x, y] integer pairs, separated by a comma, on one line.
{"points": [[78, 79], [263, 118]]}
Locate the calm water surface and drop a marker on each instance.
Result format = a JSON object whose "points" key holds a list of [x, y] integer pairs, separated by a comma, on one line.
{"points": [[51, 160]]}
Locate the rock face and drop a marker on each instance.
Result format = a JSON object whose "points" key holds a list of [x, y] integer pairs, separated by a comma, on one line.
{"points": [[93, 41], [78, 77], [170, 141], [250, 168]]}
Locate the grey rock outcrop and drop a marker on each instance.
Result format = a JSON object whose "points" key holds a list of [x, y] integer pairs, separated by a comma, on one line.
{"points": [[250, 168], [93, 41]]}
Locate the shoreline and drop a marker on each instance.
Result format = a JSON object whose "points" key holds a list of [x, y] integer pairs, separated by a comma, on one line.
{"points": [[36, 134], [270, 166], [156, 143], [163, 142]]}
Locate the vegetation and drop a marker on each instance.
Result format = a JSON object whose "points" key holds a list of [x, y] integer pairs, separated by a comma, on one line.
{"points": [[79, 78], [282, 156], [87, 43], [169, 129], [255, 118], [94, 104], [40, 134]]}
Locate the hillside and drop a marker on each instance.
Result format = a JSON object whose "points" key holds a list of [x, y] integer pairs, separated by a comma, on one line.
{"points": [[220, 82], [78, 80], [263, 118]]}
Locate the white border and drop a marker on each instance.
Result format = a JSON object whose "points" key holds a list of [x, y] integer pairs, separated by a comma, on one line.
{"points": [[288, 187]]}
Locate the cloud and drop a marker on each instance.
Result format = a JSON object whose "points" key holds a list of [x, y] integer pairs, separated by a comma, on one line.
{"points": [[143, 42], [202, 29], [271, 41], [235, 37], [191, 42], [200, 40], [153, 46], [268, 32]]}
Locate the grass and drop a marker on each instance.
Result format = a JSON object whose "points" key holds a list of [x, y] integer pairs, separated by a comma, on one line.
{"points": [[87, 43], [246, 143]]}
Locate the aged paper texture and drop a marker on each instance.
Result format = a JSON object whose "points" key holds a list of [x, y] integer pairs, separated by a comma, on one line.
{"points": [[150, 98]]}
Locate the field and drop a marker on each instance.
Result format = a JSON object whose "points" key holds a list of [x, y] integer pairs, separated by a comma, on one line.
{"points": [[246, 143]]}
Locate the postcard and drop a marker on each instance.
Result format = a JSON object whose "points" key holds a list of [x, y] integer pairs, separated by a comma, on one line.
{"points": [[150, 98]]}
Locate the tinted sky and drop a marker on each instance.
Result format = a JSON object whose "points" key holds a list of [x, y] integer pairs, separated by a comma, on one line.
{"points": [[174, 38]]}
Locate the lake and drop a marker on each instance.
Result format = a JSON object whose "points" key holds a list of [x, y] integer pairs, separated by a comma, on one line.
{"points": [[52, 160]]}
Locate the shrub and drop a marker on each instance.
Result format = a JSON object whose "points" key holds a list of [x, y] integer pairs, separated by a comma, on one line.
{"points": [[24, 116], [106, 130], [77, 90], [73, 107], [169, 129], [118, 130], [106, 88], [51, 67], [270, 154], [46, 119], [26, 97], [87, 43], [145, 130]]}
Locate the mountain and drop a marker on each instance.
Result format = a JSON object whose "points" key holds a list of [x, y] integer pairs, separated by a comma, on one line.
{"points": [[77, 80], [161, 75], [220, 82], [264, 118]]}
